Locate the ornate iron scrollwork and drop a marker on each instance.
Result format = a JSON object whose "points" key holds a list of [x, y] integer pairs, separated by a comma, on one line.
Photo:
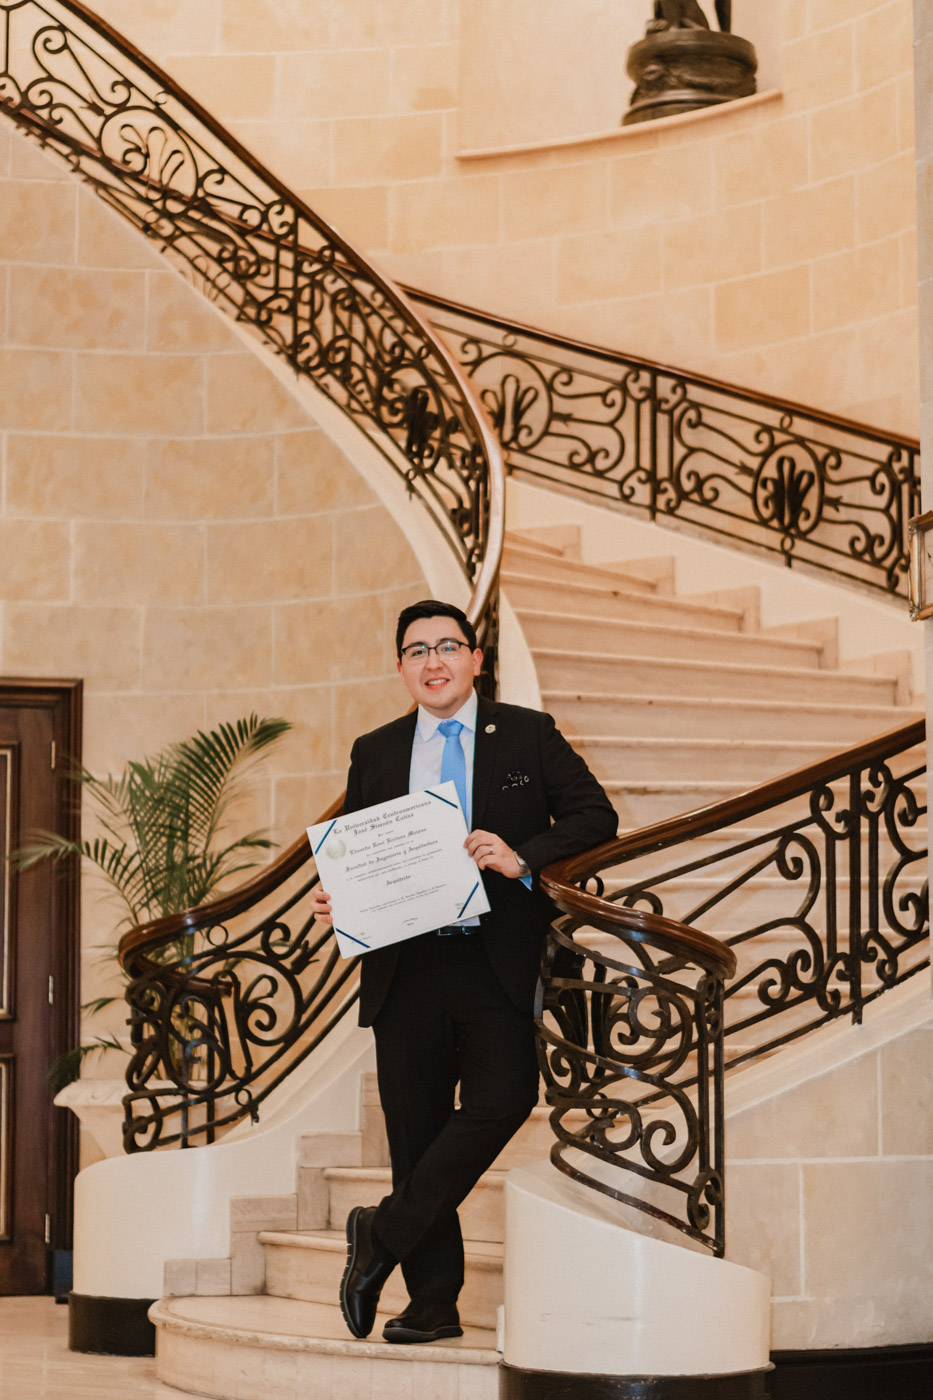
{"points": [[625, 1030], [820, 893], [218, 1023], [812, 488], [257, 252], [841, 871]]}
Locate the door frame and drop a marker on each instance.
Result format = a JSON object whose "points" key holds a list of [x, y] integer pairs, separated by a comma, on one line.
{"points": [[63, 699]]}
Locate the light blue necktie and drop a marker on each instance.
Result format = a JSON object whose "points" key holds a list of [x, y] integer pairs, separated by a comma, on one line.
{"points": [[453, 763]]}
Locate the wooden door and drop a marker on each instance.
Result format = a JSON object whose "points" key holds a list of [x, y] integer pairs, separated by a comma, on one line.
{"points": [[39, 739]]}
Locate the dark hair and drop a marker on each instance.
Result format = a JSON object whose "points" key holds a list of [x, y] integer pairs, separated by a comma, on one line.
{"points": [[430, 607]]}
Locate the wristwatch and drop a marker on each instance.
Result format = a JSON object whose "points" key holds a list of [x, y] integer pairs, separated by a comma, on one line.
{"points": [[524, 873]]}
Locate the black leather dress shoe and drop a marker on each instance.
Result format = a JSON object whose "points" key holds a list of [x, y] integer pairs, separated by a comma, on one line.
{"points": [[369, 1264], [424, 1322]]}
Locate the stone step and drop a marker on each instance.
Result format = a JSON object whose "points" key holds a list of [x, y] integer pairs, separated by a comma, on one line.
{"points": [[718, 844], [746, 762], [562, 540], [261, 1348], [525, 591], [522, 559], [609, 637], [641, 802], [653, 715], [563, 669], [309, 1265], [481, 1215]]}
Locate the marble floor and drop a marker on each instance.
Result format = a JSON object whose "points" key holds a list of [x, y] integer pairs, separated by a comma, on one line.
{"points": [[35, 1360]]}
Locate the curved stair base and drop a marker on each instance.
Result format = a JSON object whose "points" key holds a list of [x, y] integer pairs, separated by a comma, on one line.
{"points": [[260, 1348], [591, 1299]]}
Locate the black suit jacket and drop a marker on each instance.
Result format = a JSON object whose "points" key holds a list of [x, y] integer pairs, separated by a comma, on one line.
{"points": [[530, 788]]}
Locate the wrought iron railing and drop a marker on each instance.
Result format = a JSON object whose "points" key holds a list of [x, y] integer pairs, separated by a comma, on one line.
{"points": [[157, 158], [815, 489], [630, 1038], [815, 883], [227, 999]]}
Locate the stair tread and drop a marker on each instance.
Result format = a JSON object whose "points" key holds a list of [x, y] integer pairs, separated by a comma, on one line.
{"points": [[576, 566], [675, 741], [674, 785], [335, 1242], [516, 540], [751, 639], [606, 697], [288, 1324], [807, 674], [381, 1173], [572, 587]]}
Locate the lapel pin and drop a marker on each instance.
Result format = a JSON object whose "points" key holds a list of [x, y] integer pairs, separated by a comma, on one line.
{"points": [[490, 729]]}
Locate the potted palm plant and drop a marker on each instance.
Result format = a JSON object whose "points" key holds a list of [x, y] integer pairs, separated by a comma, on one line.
{"points": [[162, 845]]}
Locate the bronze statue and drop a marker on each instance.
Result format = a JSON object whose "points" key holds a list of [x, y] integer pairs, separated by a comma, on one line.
{"points": [[686, 14], [683, 63]]}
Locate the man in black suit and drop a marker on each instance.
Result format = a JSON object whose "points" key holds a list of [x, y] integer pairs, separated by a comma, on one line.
{"points": [[454, 1006]]}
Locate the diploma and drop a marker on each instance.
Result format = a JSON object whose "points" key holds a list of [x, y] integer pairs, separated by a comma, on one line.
{"points": [[397, 869]]}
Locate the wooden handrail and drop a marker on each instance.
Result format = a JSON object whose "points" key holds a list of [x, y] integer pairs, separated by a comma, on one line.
{"points": [[603, 352], [560, 876], [145, 938], [637, 925], [561, 881]]}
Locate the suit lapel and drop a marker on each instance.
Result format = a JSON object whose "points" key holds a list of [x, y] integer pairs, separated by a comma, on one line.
{"points": [[487, 739], [398, 758]]}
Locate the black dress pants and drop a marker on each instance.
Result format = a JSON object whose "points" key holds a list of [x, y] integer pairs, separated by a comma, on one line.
{"points": [[446, 1021]]}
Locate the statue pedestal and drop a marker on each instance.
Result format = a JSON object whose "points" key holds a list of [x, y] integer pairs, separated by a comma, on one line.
{"points": [[681, 70]]}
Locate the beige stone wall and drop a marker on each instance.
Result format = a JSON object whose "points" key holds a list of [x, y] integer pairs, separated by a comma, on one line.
{"points": [[830, 1188], [174, 529], [772, 245]]}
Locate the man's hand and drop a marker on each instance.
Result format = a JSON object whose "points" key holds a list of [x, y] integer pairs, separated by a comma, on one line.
{"points": [[320, 905], [491, 853]]}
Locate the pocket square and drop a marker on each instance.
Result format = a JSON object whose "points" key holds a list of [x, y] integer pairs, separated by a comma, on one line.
{"points": [[515, 779]]}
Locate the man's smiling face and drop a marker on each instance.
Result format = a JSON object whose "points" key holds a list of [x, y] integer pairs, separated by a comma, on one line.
{"points": [[442, 684]]}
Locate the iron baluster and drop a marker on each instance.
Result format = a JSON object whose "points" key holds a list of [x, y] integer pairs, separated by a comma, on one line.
{"points": [[856, 809], [625, 1033]]}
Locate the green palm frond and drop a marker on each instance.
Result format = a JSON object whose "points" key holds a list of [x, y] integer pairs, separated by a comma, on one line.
{"points": [[158, 850], [67, 1067], [161, 817]]}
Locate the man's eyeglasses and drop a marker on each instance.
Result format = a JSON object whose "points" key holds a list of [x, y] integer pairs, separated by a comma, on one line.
{"points": [[446, 648]]}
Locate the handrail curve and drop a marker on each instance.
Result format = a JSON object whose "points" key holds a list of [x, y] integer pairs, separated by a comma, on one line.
{"points": [[638, 925]]}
